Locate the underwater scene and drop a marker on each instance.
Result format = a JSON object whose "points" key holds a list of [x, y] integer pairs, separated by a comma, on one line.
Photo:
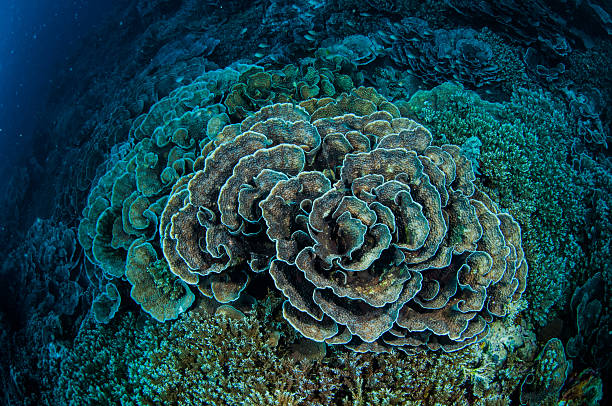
{"points": [[308, 202]]}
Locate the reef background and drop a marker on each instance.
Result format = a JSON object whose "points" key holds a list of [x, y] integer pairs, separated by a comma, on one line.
{"points": [[530, 80]]}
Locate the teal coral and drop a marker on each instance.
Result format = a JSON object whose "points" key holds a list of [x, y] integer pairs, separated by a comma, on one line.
{"points": [[258, 360], [106, 304], [546, 379], [517, 170], [257, 87], [524, 166], [154, 287], [125, 205], [376, 238]]}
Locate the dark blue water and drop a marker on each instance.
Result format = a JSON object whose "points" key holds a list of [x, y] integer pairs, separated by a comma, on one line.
{"points": [[36, 39]]}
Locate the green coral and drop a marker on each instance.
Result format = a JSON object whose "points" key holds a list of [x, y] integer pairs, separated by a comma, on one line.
{"points": [[154, 287], [171, 141], [124, 207], [543, 383], [257, 360], [106, 304], [524, 166], [257, 87]]}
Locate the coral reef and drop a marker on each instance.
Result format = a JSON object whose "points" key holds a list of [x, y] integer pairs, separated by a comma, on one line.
{"points": [[548, 32], [548, 376], [44, 273], [47, 293], [591, 306], [526, 170], [375, 237], [258, 359], [437, 56], [123, 208], [283, 233]]}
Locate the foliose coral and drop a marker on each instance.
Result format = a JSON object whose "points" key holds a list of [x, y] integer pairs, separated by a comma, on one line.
{"points": [[440, 55], [375, 237], [585, 388], [106, 304], [548, 31], [538, 66], [257, 87], [551, 26], [45, 295], [120, 222], [122, 214], [185, 48], [588, 105], [356, 49], [46, 272], [527, 171], [593, 338]]}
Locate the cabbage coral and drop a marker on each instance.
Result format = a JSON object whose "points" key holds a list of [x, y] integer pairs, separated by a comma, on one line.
{"points": [[118, 230], [376, 238], [119, 226]]}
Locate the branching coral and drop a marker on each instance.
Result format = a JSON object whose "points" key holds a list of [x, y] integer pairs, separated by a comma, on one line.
{"points": [[375, 237], [259, 360]]}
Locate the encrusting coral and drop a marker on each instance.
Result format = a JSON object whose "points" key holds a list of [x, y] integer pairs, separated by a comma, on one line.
{"points": [[376, 238]]}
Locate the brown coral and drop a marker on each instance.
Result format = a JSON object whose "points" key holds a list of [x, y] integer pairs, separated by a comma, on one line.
{"points": [[375, 237]]}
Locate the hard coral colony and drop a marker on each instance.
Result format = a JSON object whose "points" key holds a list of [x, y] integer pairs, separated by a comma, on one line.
{"points": [[376, 238]]}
